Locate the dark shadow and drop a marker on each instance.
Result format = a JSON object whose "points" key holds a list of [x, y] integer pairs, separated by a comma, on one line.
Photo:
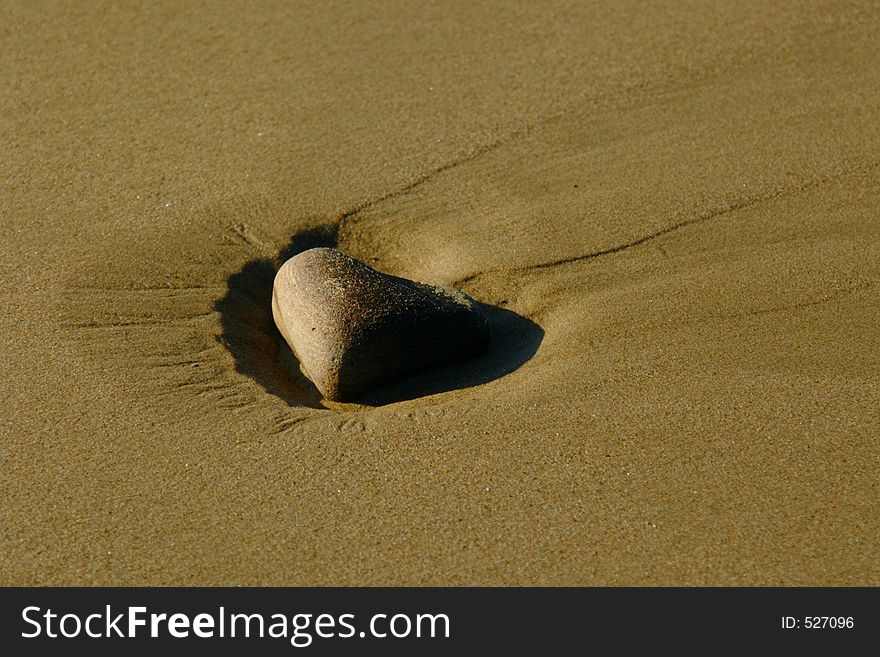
{"points": [[250, 334], [514, 340], [249, 331], [312, 238]]}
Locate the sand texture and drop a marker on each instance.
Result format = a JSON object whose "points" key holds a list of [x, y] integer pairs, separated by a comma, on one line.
{"points": [[670, 216]]}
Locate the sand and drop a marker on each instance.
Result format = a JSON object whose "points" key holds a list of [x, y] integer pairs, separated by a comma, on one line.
{"points": [[671, 214]]}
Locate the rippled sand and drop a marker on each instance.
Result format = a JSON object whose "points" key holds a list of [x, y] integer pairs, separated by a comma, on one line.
{"points": [[671, 216]]}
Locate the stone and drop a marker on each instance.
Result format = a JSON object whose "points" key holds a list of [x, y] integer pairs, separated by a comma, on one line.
{"points": [[355, 329]]}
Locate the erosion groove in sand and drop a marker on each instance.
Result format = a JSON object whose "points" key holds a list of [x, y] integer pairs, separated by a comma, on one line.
{"points": [[704, 217]]}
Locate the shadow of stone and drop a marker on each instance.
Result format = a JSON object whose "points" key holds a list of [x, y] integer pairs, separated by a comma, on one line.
{"points": [[514, 340], [249, 331], [312, 238], [250, 334]]}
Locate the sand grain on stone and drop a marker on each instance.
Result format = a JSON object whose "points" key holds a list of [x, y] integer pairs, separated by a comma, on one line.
{"points": [[354, 329]]}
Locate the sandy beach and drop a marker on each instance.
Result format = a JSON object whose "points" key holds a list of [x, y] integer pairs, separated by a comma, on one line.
{"points": [[670, 216]]}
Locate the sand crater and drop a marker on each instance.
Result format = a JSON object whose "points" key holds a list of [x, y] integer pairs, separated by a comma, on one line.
{"points": [[250, 335]]}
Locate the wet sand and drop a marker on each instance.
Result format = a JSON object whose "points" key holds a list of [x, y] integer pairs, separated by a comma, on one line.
{"points": [[669, 214]]}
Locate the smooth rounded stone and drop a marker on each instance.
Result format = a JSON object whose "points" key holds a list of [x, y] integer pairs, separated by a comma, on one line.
{"points": [[354, 329]]}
